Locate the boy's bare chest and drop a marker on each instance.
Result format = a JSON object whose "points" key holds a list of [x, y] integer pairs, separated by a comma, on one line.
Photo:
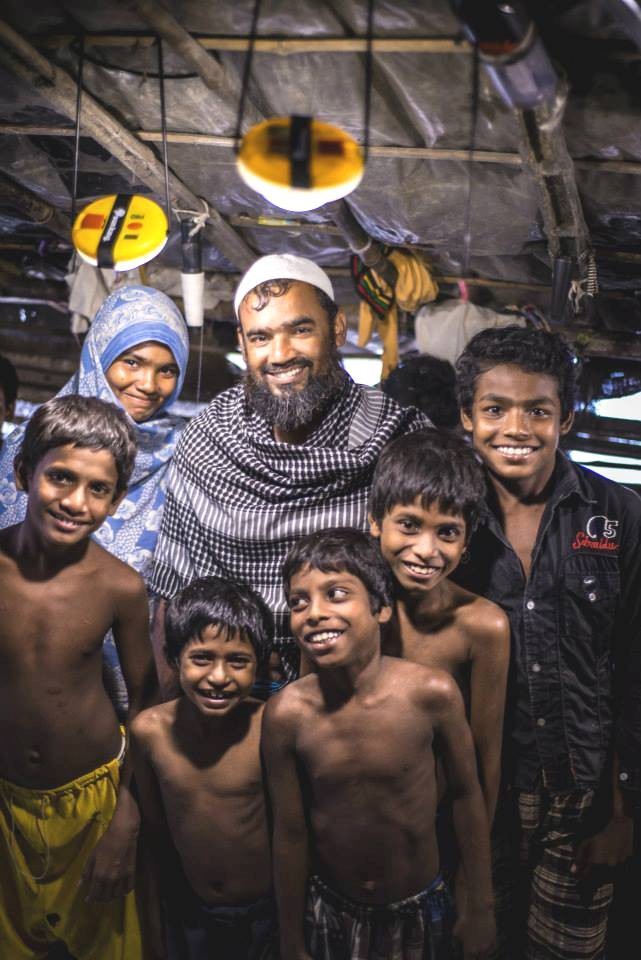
{"points": [[67, 612], [444, 645], [207, 776], [383, 743]]}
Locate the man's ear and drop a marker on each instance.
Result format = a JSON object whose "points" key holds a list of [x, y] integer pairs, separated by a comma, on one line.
{"points": [[340, 328], [374, 528], [240, 338], [566, 425], [115, 503], [466, 421], [20, 475], [384, 614]]}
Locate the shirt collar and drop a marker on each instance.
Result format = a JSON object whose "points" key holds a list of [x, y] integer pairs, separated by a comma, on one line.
{"points": [[566, 480]]}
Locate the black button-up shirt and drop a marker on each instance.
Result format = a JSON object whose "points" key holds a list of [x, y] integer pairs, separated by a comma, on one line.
{"points": [[575, 679]]}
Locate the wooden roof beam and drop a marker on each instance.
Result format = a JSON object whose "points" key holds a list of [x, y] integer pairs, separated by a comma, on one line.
{"points": [[33, 207]]}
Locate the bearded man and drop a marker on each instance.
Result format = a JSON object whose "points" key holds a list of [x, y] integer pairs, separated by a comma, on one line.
{"points": [[289, 451]]}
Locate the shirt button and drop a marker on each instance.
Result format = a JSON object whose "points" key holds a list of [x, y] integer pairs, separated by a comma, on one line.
{"points": [[623, 777], [589, 581], [536, 668], [591, 597], [530, 604], [540, 722]]}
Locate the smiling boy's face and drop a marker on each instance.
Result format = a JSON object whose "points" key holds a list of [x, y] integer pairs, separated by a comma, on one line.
{"points": [[217, 670], [422, 545], [516, 423], [332, 619], [71, 492]]}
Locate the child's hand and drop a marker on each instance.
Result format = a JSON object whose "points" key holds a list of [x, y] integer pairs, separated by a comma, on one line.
{"points": [[606, 849], [110, 868], [476, 930]]}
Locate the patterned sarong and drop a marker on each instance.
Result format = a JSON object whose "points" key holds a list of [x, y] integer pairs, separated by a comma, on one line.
{"points": [[417, 928]]}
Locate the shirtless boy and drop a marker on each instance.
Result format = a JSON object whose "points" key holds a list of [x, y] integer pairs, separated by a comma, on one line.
{"points": [[68, 823], [350, 769], [199, 777], [423, 506], [558, 548]]}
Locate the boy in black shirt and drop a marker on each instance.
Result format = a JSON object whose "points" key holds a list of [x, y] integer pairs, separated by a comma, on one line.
{"points": [[558, 549]]}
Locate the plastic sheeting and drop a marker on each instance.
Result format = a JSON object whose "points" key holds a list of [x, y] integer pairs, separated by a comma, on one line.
{"points": [[417, 100]]}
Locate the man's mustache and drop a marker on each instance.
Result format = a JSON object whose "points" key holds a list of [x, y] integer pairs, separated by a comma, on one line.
{"points": [[281, 367]]}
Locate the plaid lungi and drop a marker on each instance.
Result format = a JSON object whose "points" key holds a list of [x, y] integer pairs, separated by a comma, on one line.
{"points": [[543, 911], [417, 928]]}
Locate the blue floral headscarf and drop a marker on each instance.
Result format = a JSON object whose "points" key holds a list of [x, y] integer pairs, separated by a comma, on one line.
{"points": [[129, 316]]}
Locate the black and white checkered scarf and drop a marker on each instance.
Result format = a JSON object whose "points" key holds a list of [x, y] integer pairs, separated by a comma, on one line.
{"points": [[237, 499]]}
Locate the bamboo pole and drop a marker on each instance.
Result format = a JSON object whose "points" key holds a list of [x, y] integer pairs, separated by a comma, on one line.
{"points": [[24, 61], [391, 151], [277, 45]]}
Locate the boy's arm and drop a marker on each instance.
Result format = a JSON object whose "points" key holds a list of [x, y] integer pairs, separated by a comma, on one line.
{"points": [[490, 661], [290, 841], [156, 855], [475, 927], [110, 868], [614, 843]]}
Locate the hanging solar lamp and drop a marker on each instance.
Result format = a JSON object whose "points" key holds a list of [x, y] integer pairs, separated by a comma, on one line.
{"points": [[120, 231], [299, 163]]}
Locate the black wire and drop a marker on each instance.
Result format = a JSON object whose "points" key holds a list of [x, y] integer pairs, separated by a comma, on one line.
{"points": [[76, 149], [368, 78], [246, 75], [163, 120], [467, 219]]}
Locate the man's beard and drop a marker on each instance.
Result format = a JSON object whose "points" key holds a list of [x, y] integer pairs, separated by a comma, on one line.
{"points": [[295, 407]]}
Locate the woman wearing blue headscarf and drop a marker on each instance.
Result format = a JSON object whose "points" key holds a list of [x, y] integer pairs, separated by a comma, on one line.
{"points": [[135, 355]]}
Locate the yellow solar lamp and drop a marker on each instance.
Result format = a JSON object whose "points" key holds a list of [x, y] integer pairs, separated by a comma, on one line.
{"points": [[120, 231], [298, 163]]}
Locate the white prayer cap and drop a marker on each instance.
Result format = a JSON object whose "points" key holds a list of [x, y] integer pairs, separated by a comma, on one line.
{"points": [[282, 266]]}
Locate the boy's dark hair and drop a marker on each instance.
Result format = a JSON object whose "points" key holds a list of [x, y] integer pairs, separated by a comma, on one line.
{"points": [[263, 293], [213, 601], [8, 381], [84, 422], [343, 550], [439, 467], [535, 351], [428, 383]]}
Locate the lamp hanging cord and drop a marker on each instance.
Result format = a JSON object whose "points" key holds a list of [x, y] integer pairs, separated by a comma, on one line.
{"points": [[467, 217], [246, 76], [163, 121], [76, 148], [368, 78]]}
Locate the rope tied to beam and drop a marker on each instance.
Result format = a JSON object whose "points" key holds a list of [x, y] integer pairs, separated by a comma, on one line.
{"points": [[199, 218]]}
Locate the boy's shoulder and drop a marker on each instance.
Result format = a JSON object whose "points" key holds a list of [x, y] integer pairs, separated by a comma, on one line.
{"points": [[123, 579], [294, 700], [7, 544], [428, 686], [153, 723], [482, 620]]}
